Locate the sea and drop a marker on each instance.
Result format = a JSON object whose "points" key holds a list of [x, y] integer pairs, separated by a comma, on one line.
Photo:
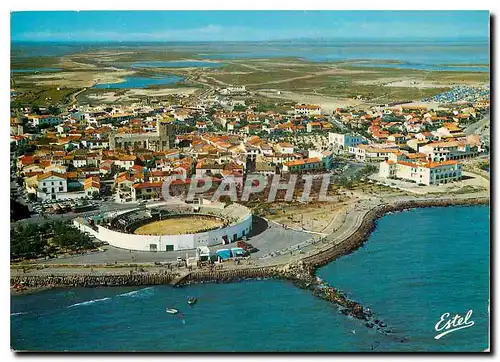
{"points": [[415, 267], [463, 54]]}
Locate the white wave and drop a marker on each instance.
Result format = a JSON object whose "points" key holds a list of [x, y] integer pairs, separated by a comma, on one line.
{"points": [[136, 293], [89, 302], [19, 313]]}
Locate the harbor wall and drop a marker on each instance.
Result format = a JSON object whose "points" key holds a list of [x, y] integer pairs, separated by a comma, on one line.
{"points": [[86, 280]]}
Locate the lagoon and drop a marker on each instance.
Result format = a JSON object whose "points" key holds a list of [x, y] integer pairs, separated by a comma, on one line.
{"points": [[177, 64], [141, 82]]}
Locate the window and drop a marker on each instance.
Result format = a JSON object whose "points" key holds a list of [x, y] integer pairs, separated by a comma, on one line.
{"points": [[60, 183], [60, 188], [52, 183]]}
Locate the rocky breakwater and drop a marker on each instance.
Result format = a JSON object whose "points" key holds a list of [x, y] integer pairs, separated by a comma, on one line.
{"points": [[230, 275], [86, 280], [303, 276]]}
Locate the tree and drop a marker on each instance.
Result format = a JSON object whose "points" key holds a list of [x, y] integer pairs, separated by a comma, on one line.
{"points": [[25, 149], [36, 110], [18, 211], [26, 241], [239, 108]]}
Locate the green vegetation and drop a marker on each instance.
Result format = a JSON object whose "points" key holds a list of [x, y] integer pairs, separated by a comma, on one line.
{"points": [[28, 241], [23, 149], [41, 96], [367, 170], [19, 61]]}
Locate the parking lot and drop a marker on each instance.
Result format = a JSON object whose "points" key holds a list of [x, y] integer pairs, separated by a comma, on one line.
{"points": [[266, 238]]}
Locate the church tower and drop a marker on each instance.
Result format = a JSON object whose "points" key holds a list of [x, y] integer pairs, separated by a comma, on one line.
{"points": [[164, 130]]}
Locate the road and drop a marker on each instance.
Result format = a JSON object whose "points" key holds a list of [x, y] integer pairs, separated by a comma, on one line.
{"points": [[479, 127], [104, 207]]}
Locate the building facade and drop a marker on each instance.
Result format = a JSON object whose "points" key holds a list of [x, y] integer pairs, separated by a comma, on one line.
{"points": [[51, 184], [162, 140], [424, 173], [344, 141]]}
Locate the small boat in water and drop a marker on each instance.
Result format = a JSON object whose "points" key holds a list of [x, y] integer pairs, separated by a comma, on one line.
{"points": [[172, 311], [191, 300]]}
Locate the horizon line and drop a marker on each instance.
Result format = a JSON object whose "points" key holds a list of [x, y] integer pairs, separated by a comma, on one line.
{"points": [[402, 39]]}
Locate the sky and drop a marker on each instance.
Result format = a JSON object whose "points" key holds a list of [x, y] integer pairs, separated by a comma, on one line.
{"points": [[88, 26]]}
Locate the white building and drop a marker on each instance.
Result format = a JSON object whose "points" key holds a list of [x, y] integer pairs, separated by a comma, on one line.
{"points": [[251, 152], [370, 153], [46, 120], [344, 141], [307, 110], [50, 184], [285, 148], [125, 162], [239, 225], [443, 151], [234, 89], [79, 161], [426, 173]]}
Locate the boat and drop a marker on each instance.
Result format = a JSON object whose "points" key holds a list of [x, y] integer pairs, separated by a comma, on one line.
{"points": [[172, 311], [192, 300]]}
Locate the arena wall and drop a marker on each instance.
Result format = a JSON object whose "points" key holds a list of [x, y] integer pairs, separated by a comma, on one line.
{"points": [[179, 242]]}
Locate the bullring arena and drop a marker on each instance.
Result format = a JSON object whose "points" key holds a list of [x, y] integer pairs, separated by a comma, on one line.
{"points": [[173, 226], [179, 225]]}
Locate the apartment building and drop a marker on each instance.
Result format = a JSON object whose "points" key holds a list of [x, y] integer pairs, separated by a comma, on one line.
{"points": [[425, 173]]}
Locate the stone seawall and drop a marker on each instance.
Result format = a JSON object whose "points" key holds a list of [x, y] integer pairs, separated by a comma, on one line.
{"points": [[85, 280], [355, 240], [226, 276]]}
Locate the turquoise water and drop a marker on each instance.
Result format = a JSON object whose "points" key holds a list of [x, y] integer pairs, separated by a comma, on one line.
{"points": [[33, 70], [177, 64], [416, 266], [430, 53], [141, 82]]}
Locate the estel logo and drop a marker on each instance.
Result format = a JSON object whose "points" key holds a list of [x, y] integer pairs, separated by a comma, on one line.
{"points": [[448, 325]]}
